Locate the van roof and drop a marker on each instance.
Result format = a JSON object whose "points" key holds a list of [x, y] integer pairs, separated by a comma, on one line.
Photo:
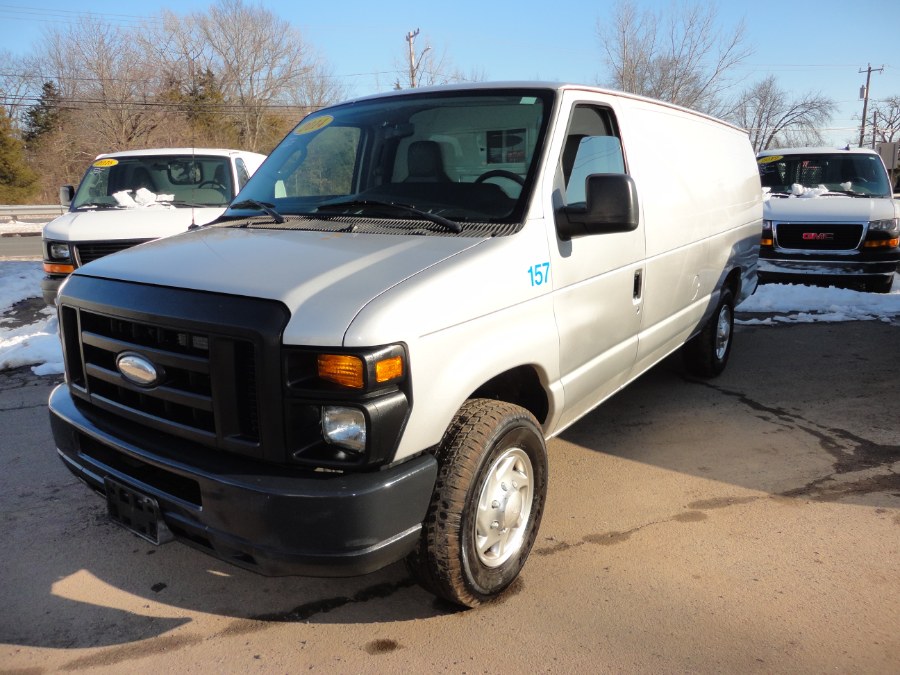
{"points": [[815, 151], [533, 84]]}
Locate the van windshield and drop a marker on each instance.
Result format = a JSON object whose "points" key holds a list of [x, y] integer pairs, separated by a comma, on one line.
{"points": [[848, 173], [464, 156], [155, 180]]}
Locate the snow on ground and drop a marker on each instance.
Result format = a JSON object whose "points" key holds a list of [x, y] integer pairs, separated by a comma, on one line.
{"points": [[37, 344]]}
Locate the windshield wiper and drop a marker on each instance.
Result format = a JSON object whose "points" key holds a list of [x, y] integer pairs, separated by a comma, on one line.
{"points": [[91, 205], [404, 208], [259, 206]]}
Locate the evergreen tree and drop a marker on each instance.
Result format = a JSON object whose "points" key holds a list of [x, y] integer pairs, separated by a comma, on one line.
{"points": [[43, 116], [17, 181]]}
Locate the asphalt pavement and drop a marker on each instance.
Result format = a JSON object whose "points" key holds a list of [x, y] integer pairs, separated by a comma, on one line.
{"points": [[745, 524]]}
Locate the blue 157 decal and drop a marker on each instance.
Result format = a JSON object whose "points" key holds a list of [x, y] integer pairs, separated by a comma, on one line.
{"points": [[539, 274]]}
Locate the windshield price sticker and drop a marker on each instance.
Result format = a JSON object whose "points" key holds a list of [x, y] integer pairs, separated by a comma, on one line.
{"points": [[539, 274], [769, 159], [314, 124], [104, 163]]}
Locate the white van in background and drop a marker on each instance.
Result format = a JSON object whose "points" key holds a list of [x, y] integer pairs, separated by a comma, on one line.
{"points": [[127, 198], [362, 360]]}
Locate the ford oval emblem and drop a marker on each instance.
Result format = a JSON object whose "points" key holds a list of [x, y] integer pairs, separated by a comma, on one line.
{"points": [[137, 369]]}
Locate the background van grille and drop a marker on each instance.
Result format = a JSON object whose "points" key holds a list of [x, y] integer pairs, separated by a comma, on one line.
{"points": [[88, 251], [819, 236]]}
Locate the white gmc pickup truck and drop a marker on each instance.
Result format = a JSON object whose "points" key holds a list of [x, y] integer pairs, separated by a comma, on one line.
{"points": [[362, 360]]}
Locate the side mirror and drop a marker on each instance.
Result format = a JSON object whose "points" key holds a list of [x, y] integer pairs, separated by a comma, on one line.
{"points": [[611, 205], [66, 195]]}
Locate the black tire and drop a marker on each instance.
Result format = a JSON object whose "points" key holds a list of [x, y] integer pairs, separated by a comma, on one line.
{"points": [[492, 455], [706, 354], [882, 285]]}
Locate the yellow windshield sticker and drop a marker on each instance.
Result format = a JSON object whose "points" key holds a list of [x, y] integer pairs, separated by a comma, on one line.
{"points": [[314, 124], [769, 159], [103, 163]]}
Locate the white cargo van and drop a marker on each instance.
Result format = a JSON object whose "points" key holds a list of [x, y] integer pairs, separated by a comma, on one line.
{"points": [[127, 198], [829, 217], [363, 360]]}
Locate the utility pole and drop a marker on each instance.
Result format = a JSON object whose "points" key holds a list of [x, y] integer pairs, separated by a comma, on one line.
{"points": [[865, 97], [411, 39]]}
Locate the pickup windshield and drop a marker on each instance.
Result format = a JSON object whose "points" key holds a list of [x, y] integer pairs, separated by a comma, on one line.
{"points": [[458, 157], [145, 180], [843, 173]]}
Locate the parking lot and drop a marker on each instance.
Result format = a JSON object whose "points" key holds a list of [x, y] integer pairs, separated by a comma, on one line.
{"points": [[745, 524]]}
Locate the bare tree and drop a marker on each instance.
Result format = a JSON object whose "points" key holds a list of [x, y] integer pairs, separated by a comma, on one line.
{"points": [[101, 70], [773, 118], [681, 56], [886, 113], [262, 60], [17, 91]]}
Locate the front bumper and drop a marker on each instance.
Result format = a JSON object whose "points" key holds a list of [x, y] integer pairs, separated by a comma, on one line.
{"points": [[50, 288], [271, 519], [774, 265]]}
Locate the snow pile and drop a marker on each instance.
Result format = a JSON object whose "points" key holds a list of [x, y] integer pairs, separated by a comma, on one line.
{"points": [[807, 304], [142, 198], [36, 344]]}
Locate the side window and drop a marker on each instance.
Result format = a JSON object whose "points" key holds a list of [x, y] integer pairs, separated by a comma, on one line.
{"points": [[242, 173], [592, 146]]}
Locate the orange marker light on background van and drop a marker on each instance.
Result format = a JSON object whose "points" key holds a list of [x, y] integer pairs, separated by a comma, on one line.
{"points": [[342, 369], [51, 268]]}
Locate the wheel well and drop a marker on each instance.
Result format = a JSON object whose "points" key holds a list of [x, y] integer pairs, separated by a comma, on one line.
{"points": [[520, 386], [733, 281]]}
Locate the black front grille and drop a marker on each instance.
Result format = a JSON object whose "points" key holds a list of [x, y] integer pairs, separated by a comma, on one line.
{"points": [[819, 236], [217, 360], [183, 398], [88, 251]]}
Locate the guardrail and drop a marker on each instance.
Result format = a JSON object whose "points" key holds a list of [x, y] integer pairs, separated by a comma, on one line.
{"points": [[31, 211]]}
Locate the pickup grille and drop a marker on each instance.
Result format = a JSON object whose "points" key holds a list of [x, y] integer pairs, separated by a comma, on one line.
{"points": [[86, 252], [212, 369], [819, 236]]}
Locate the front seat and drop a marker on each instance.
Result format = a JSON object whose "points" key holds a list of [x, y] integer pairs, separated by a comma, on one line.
{"points": [[425, 164]]}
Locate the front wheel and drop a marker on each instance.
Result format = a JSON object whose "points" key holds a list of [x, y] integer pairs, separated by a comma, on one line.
{"points": [[706, 354], [487, 503]]}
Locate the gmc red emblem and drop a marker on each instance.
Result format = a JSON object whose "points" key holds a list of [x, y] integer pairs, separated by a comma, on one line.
{"points": [[818, 236]]}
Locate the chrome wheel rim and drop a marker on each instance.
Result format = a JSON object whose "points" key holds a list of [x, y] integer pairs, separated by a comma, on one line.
{"points": [[723, 332], [504, 508]]}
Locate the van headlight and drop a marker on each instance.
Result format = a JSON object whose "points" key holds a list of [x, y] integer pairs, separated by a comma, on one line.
{"points": [[890, 226], [345, 409], [345, 427], [59, 251]]}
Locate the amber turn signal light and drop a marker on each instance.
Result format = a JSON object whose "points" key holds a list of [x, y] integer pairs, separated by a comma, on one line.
{"points": [[343, 369], [51, 268]]}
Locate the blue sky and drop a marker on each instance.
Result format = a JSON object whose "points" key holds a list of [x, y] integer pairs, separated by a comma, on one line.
{"points": [[818, 46]]}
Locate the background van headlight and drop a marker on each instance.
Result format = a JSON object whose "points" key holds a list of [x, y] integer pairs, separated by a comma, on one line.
{"points": [[891, 226], [59, 251]]}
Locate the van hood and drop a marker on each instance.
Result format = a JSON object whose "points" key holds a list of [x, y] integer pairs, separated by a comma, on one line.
{"points": [[828, 209], [324, 278], [137, 223]]}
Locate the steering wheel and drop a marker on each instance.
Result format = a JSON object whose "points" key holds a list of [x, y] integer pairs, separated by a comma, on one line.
{"points": [[213, 184], [501, 173]]}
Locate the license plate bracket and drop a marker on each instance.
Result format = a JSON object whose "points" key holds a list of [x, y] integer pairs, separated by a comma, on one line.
{"points": [[135, 511]]}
